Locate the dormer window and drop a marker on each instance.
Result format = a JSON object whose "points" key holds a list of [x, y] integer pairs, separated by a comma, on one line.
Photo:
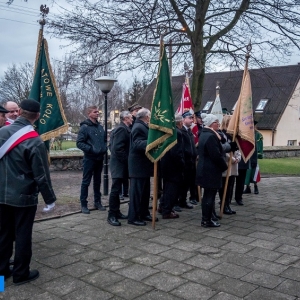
{"points": [[261, 105], [207, 105]]}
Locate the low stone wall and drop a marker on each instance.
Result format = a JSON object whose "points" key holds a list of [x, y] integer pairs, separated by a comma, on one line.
{"points": [[72, 160], [66, 160], [281, 151]]}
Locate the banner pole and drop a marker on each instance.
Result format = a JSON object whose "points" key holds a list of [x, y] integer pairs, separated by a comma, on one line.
{"points": [[154, 202]]}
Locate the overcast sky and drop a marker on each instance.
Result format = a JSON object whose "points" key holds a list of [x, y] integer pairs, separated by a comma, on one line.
{"points": [[19, 34]]}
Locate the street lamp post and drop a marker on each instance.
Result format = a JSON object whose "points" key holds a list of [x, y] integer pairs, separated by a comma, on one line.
{"points": [[106, 83]]}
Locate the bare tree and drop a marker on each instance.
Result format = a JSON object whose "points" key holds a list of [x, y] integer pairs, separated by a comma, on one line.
{"points": [[203, 33], [16, 82]]}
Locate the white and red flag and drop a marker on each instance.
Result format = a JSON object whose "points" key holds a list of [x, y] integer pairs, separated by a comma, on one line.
{"points": [[186, 104]]}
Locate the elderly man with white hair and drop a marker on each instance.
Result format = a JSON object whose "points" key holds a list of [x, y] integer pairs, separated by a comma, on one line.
{"points": [[140, 171], [13, 111], [210, 166]]}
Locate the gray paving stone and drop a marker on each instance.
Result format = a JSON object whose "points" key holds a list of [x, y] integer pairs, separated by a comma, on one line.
{"points": [[79, 269], [149, 259], [289, 287], [263, 279], [193, 291], [202, 276], [187, 245], [58, 261], [203, 261], [239, 259], [237, 247], [56, 243], [102, 278], [239, 239], [213, 241], [165, 282], [268, 267], [47, 274], [21, 292], [289, 250], [105, 245], [177, 254], [287, 259], [112, 263], [63, 285], [265, 244], [292, 273], [157, 295], [88, 292], [164, 240], [263, 293], [129, 289], [47, 296], [91, 256], [137, 272], [264, 254], [231, 270], [264, 236], [225, 296], [173, 267], [126, 252], [154, 248], [235, 287]]}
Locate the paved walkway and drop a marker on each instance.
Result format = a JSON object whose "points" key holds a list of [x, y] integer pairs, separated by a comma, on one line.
{"points": [[253, 255]]}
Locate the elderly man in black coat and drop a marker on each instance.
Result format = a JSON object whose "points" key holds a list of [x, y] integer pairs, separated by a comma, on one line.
{"points": [[140, 171], [172, 167], [190, 155], [119, 149], [210, 167]]}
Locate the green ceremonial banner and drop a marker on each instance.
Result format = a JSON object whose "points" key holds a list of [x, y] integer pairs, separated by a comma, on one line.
{"points": [[162, 134], [52, 121]]}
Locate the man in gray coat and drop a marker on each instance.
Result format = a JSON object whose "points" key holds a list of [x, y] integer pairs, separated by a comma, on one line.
{"points": [[24, 172], [119, 149]]}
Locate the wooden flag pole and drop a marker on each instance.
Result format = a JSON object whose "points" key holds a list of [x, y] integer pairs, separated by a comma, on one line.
{"points": [[226, 185], [154, 202]]}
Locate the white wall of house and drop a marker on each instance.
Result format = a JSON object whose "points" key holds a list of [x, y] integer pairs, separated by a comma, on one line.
{"points": [[267, 134], [288, 129]]}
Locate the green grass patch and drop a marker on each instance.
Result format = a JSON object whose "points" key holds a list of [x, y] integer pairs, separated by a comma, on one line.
{"points": [[280, 166], [68, 144]]}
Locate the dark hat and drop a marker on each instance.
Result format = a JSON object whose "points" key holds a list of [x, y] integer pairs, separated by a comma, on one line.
{"points": [[255, 122], [187, 114], [224, 110], [30, 105], [3, 110], [198, 113], [134, 107]]}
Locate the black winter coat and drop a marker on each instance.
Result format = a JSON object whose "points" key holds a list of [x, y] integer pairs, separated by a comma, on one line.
{"points": [[211, 162], [119, 148], [172, 163], [189, 148], [91, 140], [24, 171], [139, 165]]}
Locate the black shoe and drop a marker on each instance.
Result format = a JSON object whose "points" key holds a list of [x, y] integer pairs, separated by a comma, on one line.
{"points": [[256, 190], [33, 274], [137, 223], [121, 216], [210, 224], [227, 211], [239, 202], [247, 190], [193, 202], [99, 206], [149, 219], [232, 211], [177, 208], [85, 210], [187, 205], [112, 220]]}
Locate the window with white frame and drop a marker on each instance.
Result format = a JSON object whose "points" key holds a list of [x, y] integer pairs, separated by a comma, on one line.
{"points": [[207, 105], [261, 105]]}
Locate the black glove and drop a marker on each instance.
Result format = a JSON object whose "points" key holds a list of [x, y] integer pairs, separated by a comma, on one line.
{"points": [[233, 146]]}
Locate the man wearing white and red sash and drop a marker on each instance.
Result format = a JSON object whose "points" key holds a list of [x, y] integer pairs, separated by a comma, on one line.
{"points": [[12, 112], [24, 172]]}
